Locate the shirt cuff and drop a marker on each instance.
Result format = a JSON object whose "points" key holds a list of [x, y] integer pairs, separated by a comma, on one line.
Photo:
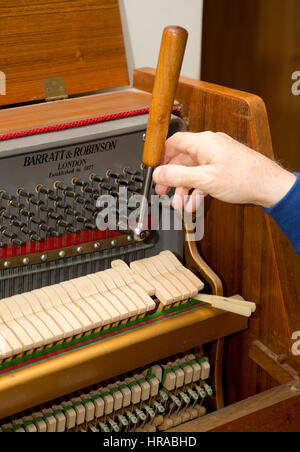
{"points": [[286, 213]]}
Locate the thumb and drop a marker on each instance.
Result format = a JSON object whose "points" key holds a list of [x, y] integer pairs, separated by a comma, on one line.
{"points": [[182, 176]]}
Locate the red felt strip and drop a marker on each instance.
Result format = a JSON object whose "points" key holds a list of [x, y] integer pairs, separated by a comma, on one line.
{"points": [[77, 124]]}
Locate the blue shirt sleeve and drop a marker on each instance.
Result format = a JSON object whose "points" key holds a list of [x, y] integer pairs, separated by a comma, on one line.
{"points": [[287, 214]]}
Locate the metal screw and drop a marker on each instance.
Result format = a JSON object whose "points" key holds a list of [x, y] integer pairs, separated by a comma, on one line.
{"points": [[26, 260], [79, 249], [129, 238], [113, 243], [144, 137], [44, 257], [97, 246], [62, 254], [6, 264]]}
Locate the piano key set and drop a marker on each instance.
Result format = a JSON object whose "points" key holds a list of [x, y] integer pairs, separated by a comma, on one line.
{"points": [[156, 398], [93, 304]]}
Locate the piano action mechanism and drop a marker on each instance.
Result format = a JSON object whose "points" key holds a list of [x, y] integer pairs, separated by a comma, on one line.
{"points": [[122, 326]]}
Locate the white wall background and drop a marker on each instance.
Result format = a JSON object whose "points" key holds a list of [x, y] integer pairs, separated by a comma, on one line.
{"points": [[143, 22]]}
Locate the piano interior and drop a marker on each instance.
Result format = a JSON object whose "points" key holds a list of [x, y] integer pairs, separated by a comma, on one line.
{"points": [[100, 332]]}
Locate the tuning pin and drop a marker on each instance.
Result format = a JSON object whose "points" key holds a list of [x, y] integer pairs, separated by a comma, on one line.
{"points": [[43, 190], [58, 185], [22, 194], [96, 179], [10, 235], [138, 179], [123, 182], [35, 202], [80, 220], [78, 183], [53, 233], [87, 190], [80, 200], [70, 194], [90, 226], [54, 198], [72, 230], [3, 244], [129, 172], [62, 223], [15, 206], [106, 187], [71, 212], [35, 238], [17, 223], [4, 196], [17, 242], [44, 227], [54, 216], [113, 175]]}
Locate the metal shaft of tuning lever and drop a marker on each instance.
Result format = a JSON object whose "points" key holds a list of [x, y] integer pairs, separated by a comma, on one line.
{"points": [[166, 80]]}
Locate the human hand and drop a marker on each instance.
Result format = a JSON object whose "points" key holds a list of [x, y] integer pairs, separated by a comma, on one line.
{"points": [[217, 165]]}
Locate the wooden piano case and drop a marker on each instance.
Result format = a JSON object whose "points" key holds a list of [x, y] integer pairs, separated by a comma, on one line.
{"points": [[71, 49]]}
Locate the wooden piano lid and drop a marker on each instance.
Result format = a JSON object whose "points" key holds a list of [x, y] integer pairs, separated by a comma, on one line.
{"points": [[79, 40]]}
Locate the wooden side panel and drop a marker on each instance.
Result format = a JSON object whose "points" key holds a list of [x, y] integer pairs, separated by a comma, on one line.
{"points": [[81, 41], [242, 244], [260, 52]]}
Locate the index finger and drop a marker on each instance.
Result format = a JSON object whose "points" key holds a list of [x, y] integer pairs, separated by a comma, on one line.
{"points": [[196, 146]]}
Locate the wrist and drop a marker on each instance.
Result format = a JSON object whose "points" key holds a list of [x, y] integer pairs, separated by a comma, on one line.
{"points": [[278, 188]]}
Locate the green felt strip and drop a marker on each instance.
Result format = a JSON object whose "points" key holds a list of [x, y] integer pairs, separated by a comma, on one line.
{"points": [[67, 408], [184, 365], [104, 394], [166, 372], [123, 386], [150, 377], [27, 423], [75, 404], [37, 419], [113, 390]]}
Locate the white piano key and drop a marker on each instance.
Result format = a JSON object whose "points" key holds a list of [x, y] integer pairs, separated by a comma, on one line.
{"points": [[176, 294], [128, 305], [112, 306], [85, 286], [9, 344], [128, 274], [142, 294]]}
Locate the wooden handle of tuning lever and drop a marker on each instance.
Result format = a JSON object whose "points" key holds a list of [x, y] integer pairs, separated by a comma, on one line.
{"points": [[166, 80]]}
